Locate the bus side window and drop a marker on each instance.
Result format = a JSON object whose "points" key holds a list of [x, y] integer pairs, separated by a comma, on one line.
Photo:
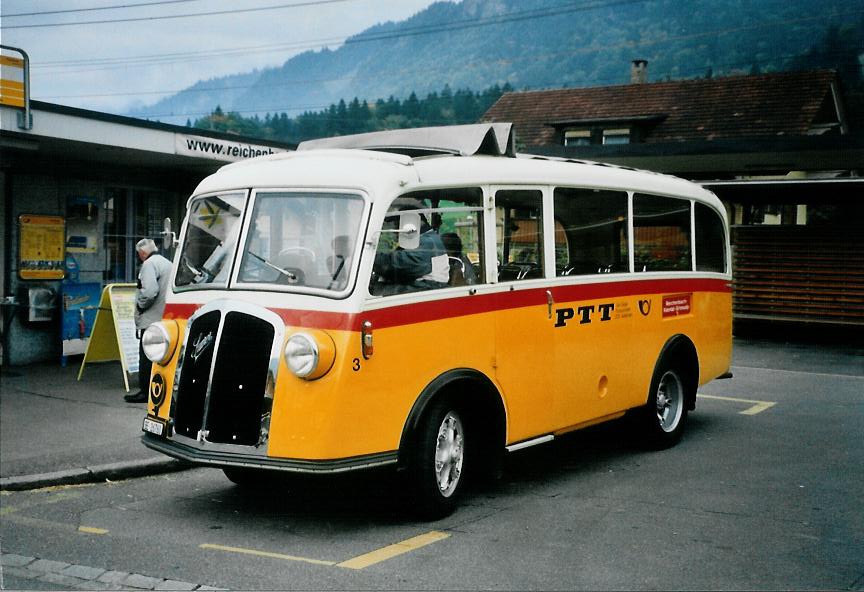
{"points": [[710, 240], [451, 243], [593, 223], [519, 241], [661, 229]]}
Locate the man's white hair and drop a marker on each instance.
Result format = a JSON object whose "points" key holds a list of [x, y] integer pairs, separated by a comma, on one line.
{"points": [[146, 246]]}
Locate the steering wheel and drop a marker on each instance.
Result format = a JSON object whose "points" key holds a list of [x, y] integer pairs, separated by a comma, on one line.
{"points": [[304, 250]]}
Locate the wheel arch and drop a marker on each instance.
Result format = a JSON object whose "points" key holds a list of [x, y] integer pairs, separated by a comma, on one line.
{"points": [[478, 397], [681, 350]]}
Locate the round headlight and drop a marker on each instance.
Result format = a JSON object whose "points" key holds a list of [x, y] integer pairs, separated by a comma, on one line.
{"points": [[301, 354], [157, 343]]}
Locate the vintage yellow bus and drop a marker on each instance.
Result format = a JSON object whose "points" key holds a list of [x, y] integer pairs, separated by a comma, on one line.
{"points": [[429, 299]]}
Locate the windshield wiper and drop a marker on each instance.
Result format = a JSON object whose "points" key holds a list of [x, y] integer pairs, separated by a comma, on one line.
{"points": [[201, 274], [285, 272], [337, 272]]}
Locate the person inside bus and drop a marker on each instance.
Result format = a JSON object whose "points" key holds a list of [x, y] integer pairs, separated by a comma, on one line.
{"points": [[461, 270], [399, 270]]}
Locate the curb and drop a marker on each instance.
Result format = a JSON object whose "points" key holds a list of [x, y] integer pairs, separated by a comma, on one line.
{"points": [[94, 474], [83, 577]]}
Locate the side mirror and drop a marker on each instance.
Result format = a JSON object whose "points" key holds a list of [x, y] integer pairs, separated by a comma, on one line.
{"points": [[169, 238], [409, 230]]}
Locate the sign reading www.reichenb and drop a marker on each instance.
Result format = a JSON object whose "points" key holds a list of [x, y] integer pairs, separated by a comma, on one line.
{"points": [[201, 147]]}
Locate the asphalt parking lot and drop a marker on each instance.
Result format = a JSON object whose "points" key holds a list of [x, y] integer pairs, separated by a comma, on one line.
{"points": [[764, 492]]}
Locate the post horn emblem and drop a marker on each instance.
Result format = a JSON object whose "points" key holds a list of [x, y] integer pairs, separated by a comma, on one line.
{"points": [[157, 392], [645, 307]]}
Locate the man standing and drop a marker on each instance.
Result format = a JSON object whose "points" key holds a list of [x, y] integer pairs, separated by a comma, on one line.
{"points": [[153, 280]]}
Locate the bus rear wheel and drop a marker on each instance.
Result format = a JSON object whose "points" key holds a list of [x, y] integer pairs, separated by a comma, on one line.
{"points": [[664, 416], [437, 468]]}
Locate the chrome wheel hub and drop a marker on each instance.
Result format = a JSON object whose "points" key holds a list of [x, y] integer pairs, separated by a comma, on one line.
{"points": [[449, 454], [670, 401]]}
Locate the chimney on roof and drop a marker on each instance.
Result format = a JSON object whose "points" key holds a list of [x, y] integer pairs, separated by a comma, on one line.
{"points": [[638, 71]]}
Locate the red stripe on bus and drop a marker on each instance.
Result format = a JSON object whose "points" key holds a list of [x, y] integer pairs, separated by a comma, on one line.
{"points": [[290, 316], [421, 312]]}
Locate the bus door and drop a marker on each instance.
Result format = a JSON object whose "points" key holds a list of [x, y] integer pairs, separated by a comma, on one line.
{"points": [[523, 333], [593, 347]]}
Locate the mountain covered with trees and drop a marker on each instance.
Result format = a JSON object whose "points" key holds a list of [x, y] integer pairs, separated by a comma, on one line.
{"points": [[473, 47], [355, 117]]}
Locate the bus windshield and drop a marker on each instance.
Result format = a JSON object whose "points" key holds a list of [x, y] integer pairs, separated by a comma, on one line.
{"points": [[303, 240], [211, 235]]}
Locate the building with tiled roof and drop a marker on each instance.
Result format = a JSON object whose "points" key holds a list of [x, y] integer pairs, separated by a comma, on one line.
{"points": [[784, 151], [762, 106]]}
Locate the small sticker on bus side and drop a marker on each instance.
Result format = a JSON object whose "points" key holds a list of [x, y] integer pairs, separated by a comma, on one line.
{"points": [[676, 305]]}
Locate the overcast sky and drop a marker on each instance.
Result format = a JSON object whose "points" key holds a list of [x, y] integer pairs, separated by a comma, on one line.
{"points": [[113, 66]]}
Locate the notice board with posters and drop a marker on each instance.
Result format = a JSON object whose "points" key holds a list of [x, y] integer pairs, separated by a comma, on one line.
{"points": [[113, 335], [41, 247], [82, 223], [80, 305]]}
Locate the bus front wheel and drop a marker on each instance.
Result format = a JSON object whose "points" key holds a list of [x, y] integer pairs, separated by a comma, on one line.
{"points": [[437, 469], [248, 477]]}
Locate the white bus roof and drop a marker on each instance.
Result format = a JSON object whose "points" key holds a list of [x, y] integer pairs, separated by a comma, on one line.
{"points": [[495, 139], [389, 171]]}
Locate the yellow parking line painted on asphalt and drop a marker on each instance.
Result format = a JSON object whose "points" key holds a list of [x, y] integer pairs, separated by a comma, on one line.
{"points": [[390, 551], [63, 488], [758, 408], [265, 554], [92, 530], [39, 523], [359, 562], [755, 406], [38, 501]]}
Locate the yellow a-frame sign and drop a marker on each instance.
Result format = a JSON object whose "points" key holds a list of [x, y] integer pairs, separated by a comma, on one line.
{"points": [[113, 335]]}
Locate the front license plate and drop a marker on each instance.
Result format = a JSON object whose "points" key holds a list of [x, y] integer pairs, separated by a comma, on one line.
{"points": [[153, 426]]}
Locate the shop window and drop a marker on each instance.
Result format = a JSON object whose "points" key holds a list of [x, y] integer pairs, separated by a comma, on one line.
{"points": [[114, 235], [835, 215], [131, 215]]}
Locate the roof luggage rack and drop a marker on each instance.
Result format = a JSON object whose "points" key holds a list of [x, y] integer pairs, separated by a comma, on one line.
{"points": [[494, 139]]}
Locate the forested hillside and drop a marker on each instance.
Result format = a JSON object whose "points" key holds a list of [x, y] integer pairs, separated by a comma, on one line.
{"points": [[476, 44], [355, 117]]}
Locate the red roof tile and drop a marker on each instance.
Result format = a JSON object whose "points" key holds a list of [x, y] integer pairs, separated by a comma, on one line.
{"points": [[688, 110]]}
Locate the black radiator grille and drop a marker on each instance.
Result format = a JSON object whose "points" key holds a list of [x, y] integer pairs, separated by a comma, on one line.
{"points": [[239, 380], [197, 361], [236, 401]]}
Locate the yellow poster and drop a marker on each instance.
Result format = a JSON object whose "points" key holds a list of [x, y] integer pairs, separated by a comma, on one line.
{"points": [[113, 336], [41, 247], [11, 81]]}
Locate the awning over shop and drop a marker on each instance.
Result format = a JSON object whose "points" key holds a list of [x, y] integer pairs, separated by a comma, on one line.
{"points": [[789, 191]]}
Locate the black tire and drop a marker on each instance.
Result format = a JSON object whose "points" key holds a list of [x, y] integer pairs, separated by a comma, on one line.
{"points": [[437, 464], [663, 419], [247, 477]]}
